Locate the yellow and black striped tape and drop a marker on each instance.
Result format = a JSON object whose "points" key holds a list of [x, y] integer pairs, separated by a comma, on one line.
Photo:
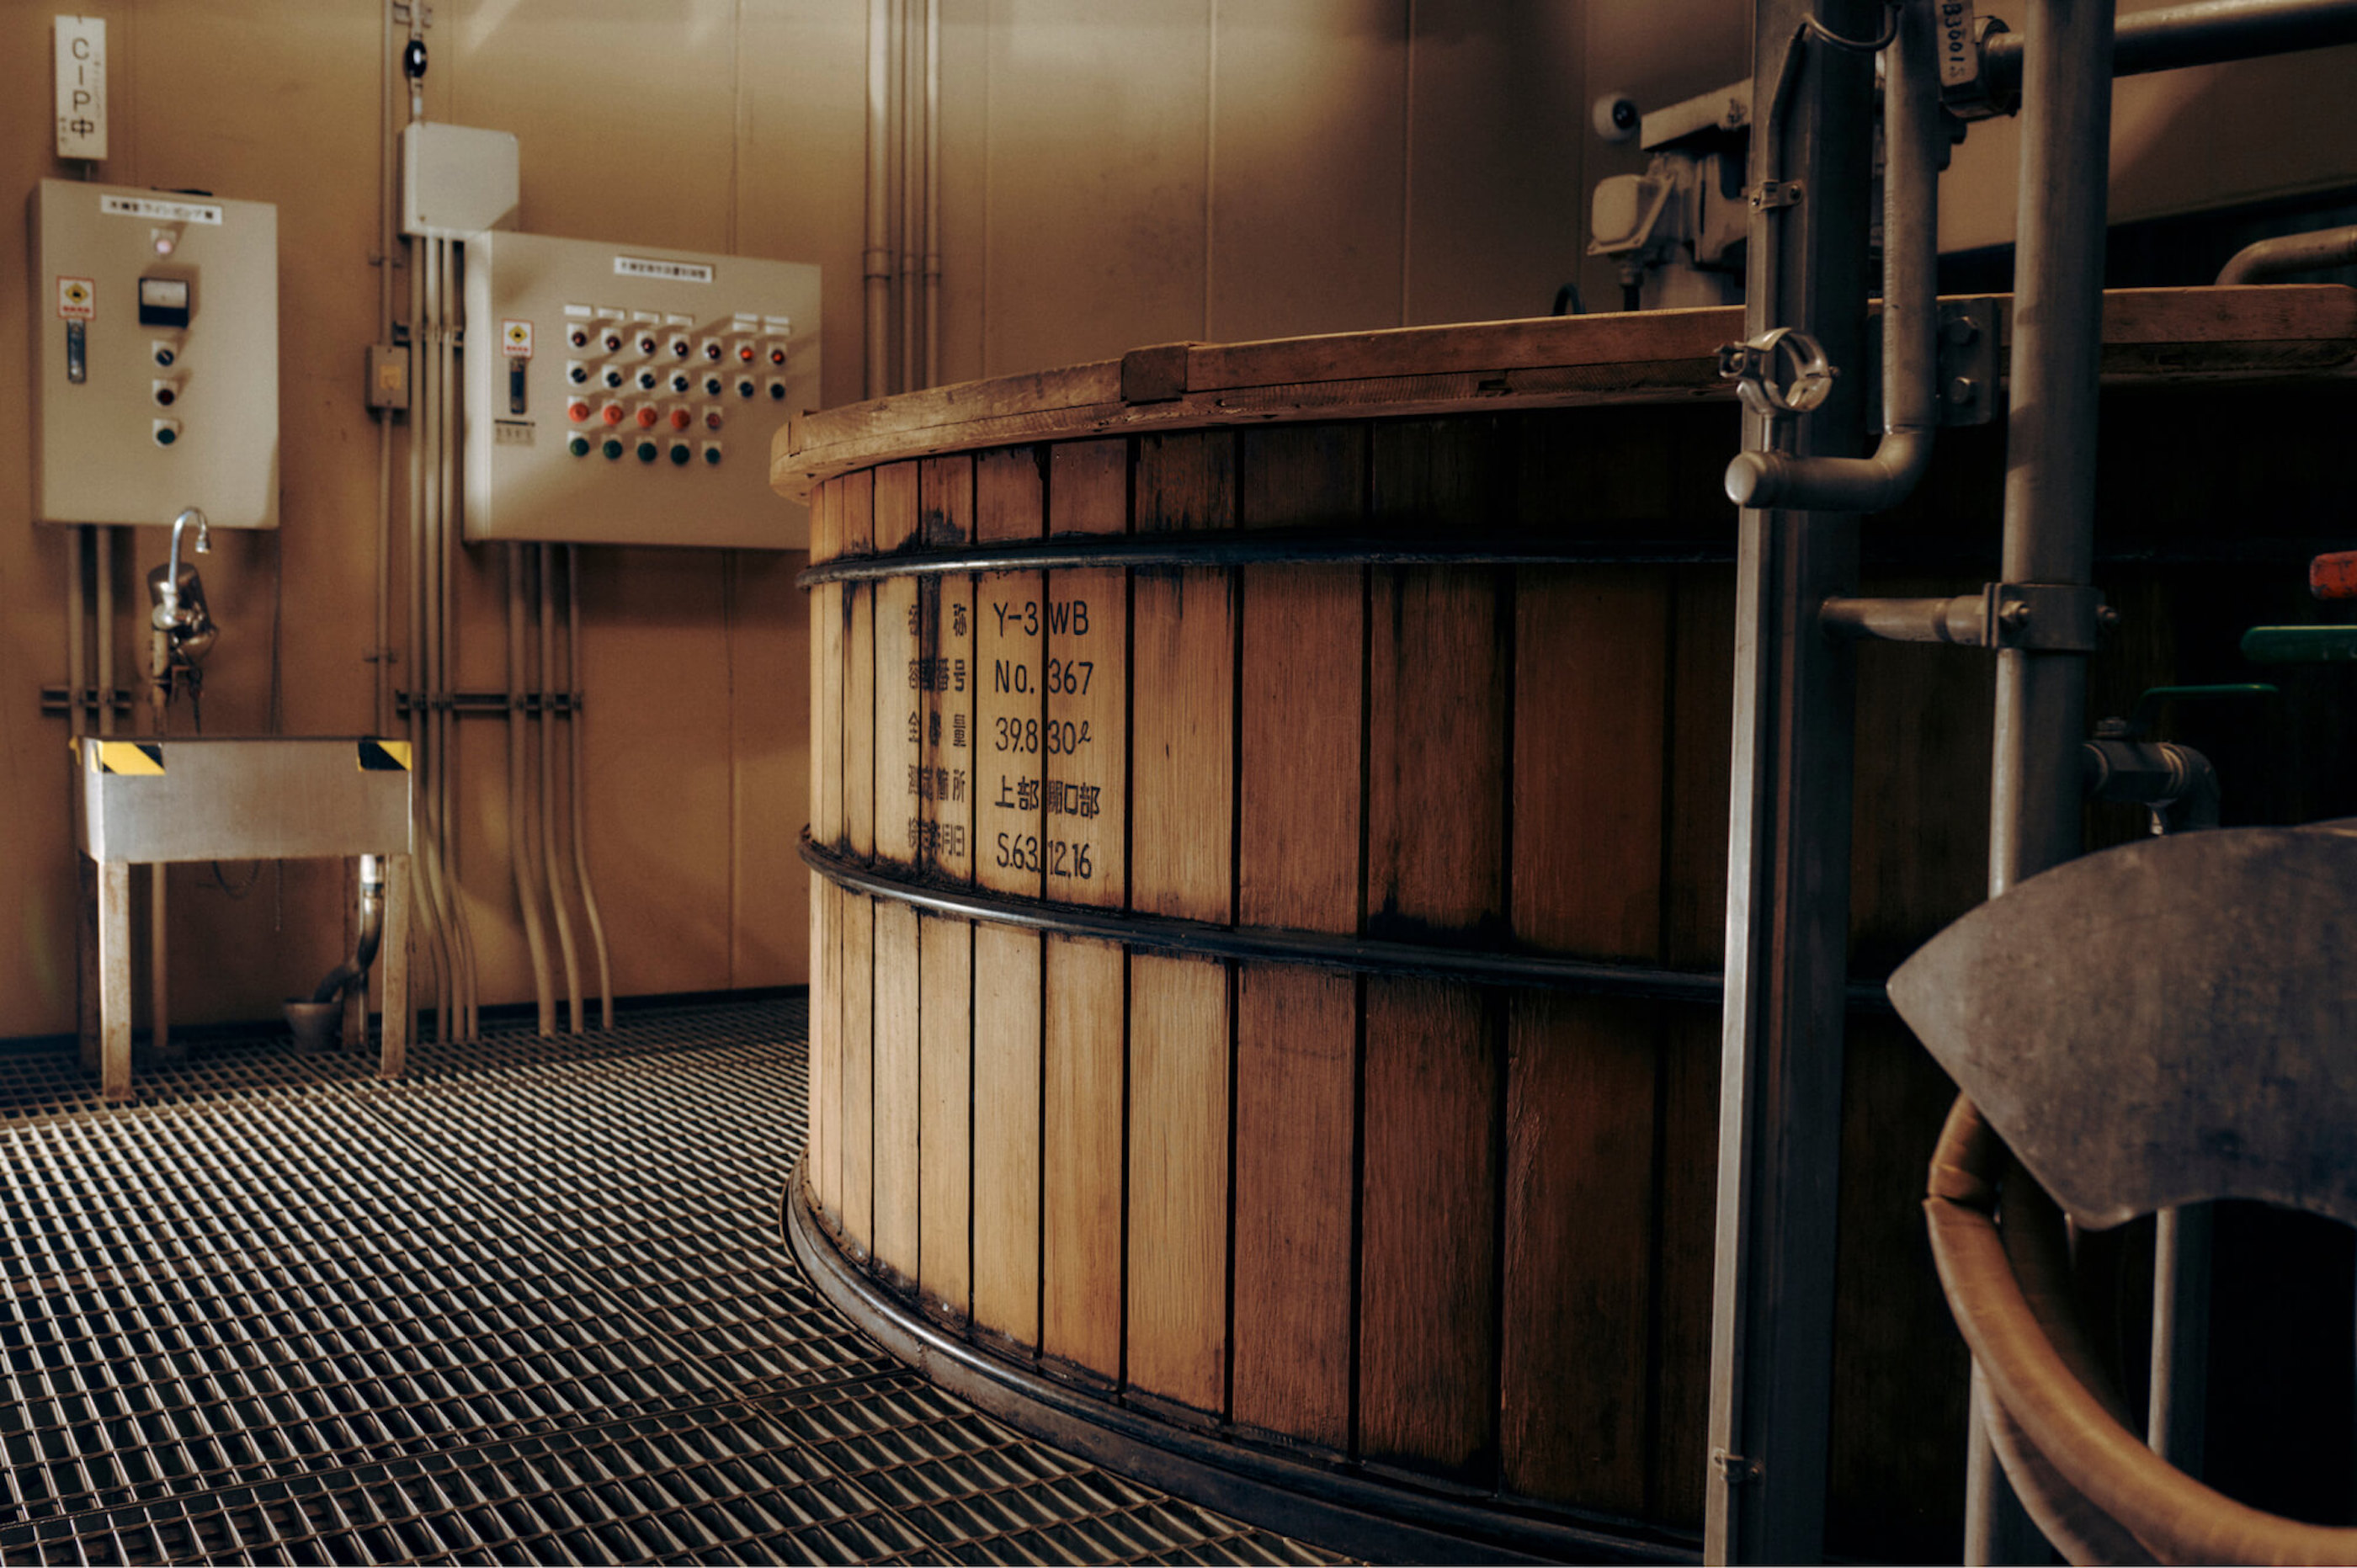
{"points": [[384, 757], [129, 759]]}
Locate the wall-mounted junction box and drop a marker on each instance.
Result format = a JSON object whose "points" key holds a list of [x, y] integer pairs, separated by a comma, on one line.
{"points": [[455, 180], [618, 395], [156, 359]]}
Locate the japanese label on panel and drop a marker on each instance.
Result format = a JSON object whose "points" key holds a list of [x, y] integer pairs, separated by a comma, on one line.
{"points": [[1010, 637], [1081, 744], [901, 780], [944, 674]]}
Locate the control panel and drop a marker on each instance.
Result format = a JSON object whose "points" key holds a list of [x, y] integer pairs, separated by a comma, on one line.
{"points": [[155, 366], [626, 395]]}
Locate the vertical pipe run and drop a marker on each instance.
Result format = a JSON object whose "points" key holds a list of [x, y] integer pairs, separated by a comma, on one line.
{"points": [[2180, 1335], [428, 937], [446, 663], [1788, 850], [427, 441], [545, 726], [579, 777], [932, 247], [77, 632], [876, 262], [2049, 495], [2050, 481], [102, 591], [519, 840]]}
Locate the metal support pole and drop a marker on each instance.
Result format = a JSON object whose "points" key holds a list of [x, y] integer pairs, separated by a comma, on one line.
{"points": [[2037, 786], [1788, 852]]}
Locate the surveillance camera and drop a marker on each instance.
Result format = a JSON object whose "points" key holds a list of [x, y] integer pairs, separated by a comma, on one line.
{"points": [[1616, 117]]}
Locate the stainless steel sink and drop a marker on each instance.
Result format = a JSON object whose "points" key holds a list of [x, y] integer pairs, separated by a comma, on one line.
{"points": [[242, 797]]}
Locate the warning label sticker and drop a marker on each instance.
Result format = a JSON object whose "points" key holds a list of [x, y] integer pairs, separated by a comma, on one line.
{"points": [[77, 299], [515, 339]]}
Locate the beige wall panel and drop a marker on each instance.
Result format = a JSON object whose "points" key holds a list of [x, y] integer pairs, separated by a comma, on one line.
{"points": [[1309, 99], [1497, 119], [964, 184], [769, 661], [657, 754], [1097, 117], [626, 115], [802, 160]]}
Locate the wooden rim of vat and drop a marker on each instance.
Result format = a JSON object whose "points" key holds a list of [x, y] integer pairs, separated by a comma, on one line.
{"points": [[1373, 1514], [1317, 950], [2174, 335]]}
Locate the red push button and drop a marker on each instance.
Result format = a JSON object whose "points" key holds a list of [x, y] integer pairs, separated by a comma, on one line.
{"points": [[746, 353], [711, 419], [612, 414], [577, 412], [679, 419], [646, 419]]}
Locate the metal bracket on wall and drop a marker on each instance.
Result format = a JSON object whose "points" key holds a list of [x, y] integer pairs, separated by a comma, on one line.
{"points": [[54, 703], [1970, 361], [480, 704]]}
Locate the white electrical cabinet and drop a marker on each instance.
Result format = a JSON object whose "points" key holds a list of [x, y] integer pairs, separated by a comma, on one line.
{"points": [[618, 394], [155, 324]]}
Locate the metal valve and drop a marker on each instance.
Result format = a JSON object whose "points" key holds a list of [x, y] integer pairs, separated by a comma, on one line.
{"points": [[1780, 374]]}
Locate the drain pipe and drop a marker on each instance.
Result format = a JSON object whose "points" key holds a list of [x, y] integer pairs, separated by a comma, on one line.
{"points": [[546, 727], [2271, 259], [580, 815], [877, 261], [314, 1021], [1910, 308], [519, 840]]}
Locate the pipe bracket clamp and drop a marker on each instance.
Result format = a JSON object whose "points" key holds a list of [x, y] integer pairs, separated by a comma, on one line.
{"points": [[1780, 374], [2045, 617]]}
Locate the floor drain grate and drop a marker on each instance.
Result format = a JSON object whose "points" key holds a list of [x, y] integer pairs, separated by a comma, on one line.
{"points": [[528, 1306]]}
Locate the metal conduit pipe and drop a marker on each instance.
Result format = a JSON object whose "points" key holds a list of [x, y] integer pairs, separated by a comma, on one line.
{"points": [[580, 815], [2036, 787], [77, 633], [426, 439], [545, 726], [1910, 307], [427, 938], [2207, 33], [102, 591], [875, 261], [932, 250], [519, 840], [2288, 253], [446, 660], [907, 39]]}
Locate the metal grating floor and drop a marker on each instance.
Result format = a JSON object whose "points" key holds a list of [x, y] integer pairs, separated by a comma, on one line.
{"points": [[528, 1306]]}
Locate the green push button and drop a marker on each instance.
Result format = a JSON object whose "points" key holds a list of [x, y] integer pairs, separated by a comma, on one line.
{"points": [[648, 452], [679, 453], [579, 447], [712, 456], [612, 448]]}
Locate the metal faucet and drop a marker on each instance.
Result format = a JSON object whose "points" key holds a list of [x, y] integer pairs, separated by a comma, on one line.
{"points": [[169, 616], [181, 630]]}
